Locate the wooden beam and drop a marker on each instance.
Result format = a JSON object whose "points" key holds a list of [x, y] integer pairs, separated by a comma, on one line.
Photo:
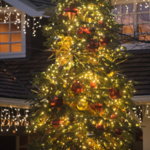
{"points": [[17, 103]]}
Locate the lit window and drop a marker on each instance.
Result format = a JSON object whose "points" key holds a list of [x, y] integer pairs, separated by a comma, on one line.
{"points": [[135, 20], [143, 21], [12, 38], [125, 16]]}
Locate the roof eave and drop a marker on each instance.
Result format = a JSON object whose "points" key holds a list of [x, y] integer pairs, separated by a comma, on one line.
{"points": [[142, 100], [17, 103], [26, 7]]}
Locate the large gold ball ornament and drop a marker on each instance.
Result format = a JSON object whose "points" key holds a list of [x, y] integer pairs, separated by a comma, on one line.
{"points": [[82, 104]]}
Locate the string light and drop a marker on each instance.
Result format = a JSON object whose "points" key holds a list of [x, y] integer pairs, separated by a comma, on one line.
{"points": [[10, 121], [8, 12]]}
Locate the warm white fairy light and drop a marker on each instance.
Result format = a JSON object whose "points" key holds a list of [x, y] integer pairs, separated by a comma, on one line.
{"points": [[9, 120], [8, 12], [147, 112]]}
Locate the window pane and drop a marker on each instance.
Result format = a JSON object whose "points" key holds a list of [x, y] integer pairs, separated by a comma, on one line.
{"points": [[15, 16], [117, 9], [15, 37], [4, 48], [143, 7], [2, 17], [127, 29], [4, 27], [144, 37], [127, 8], [143, 28], [4, 38], [16, 47], [126, 19], [143, 17], [15, 27], [127, 39]]}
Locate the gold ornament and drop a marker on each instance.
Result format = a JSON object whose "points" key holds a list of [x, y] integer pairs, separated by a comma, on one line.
{"points": [[63, 54], [82, 104], [110, 74], [70, 94]]}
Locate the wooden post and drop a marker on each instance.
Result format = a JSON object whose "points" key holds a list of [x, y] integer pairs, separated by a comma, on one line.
{"points": [[17, 142]]}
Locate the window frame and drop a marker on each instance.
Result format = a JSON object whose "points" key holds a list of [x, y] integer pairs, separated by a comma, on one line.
{"points": [[135, 45], [10, 54]]}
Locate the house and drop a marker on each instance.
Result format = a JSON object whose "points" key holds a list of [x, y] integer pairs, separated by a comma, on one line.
{"points": [[22, 53]]}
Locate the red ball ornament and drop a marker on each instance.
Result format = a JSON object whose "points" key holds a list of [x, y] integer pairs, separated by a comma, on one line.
{"points": [[56, 123], [100, 126], [93, 85], [77, 87], [97, 107], [113, 116], [100, 23], [56, 101], [83, 30], [114, 94], [118, 131], [92, 46], [71, 12], [104, 41]]}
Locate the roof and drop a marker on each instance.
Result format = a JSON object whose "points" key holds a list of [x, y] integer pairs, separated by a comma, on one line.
{"points": [[42, 3], [137, 68], [16, 76], [33, 8]]}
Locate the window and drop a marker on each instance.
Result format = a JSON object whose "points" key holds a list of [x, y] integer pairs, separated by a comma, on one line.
{"points": [[135, 18], [12, 37], [143, 21]]}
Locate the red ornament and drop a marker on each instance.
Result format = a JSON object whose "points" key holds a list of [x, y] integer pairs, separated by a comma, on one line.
{"points": [[97, 107], [56, 123], [118, 131], [56, 101], [100, 23], [113, 116], [93, 84], [104, 41], [71, 12], [92, 46], [83, 30], [114, 94], [100, 126], [77, 87]]}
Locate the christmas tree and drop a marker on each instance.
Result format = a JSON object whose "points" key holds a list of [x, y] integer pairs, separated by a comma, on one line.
{"points": [[82, 101]]}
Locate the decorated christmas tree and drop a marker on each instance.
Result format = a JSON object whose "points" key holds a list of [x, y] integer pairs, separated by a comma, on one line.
{"points": [[83, 100]]}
